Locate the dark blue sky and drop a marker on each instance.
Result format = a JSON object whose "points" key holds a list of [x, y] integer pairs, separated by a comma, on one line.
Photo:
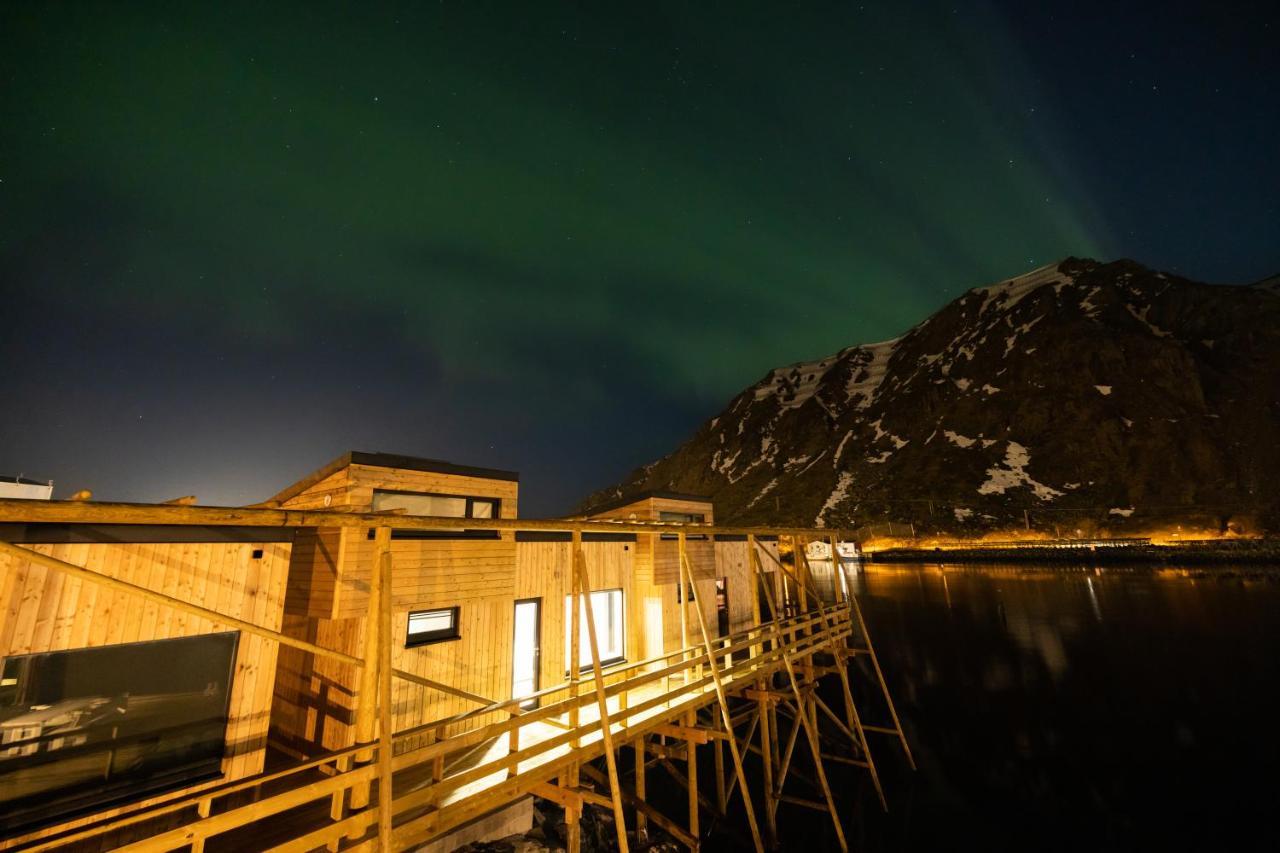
{"points": [[237, 241]]}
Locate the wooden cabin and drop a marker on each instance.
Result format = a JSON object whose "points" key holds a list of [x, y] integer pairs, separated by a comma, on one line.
{"points": [[110, 702], [452, 597], [723, 584]]}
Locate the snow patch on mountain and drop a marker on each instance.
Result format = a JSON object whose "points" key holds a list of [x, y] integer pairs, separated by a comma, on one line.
{"points": [[1141, 317], [1086, 304], [838, 494], [768, 487], [840, 448], [1013, 473]]}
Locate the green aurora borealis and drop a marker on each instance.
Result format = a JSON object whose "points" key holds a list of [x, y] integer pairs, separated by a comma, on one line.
{"points": [[240, 241]]}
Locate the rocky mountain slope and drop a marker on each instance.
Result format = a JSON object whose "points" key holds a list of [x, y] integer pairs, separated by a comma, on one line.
{"points": [[1079, 395]]}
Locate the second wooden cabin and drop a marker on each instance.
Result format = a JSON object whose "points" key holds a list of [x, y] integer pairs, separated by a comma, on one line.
{"points": [[482, 611]]}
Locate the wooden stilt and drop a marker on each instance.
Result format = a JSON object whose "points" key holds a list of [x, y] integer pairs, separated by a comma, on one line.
{"points": [[658, 818], [641, 818], [726, 715], [691, 773], [852, 717], [764, 706], [584, 596], [884, 687], [743, 745], [717, 753], [784, 764], [812, 737], [572, 814]]}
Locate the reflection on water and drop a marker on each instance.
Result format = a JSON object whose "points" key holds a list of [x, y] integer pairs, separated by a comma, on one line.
{"points": [[1075, 710]]}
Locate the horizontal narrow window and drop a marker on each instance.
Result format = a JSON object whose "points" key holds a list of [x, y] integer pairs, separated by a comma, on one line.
{"points": [[683, 518], [606, 610], [432, 626], [441, 506]]}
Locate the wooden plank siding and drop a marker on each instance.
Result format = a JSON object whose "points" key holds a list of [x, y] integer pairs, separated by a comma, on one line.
{"points": [[328, 601], [48, 611], [544, 571], [655, 609]]}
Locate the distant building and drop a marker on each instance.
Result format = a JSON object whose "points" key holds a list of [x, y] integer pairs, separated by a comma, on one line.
{"points": [[21, 487]]}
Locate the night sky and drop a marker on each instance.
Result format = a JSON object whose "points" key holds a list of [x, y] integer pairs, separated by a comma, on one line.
{"points": [[236, 242]]}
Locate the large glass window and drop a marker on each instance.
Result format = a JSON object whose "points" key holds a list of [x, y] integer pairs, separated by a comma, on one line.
{"points": [[446, 506], [606, 609], [84, 728]]}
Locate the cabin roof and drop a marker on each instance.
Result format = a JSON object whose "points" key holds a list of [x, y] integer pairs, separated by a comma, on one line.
{"points": [[393, 460], [637, 497]]}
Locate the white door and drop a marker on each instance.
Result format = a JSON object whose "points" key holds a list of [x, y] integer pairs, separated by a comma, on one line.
{"points": [[526, 650]]}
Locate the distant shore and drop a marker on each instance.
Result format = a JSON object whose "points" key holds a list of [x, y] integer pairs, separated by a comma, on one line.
{"points": [[1202, 552]]}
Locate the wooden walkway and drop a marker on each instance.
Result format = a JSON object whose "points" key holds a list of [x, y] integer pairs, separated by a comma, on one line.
{"points": [[399, 790]]}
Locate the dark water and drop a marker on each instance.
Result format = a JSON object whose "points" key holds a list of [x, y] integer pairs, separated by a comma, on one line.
{"points": [[1056, 709]]}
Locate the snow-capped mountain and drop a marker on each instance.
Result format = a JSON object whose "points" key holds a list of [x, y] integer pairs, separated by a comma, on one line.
{"points": [[1085, 394]]}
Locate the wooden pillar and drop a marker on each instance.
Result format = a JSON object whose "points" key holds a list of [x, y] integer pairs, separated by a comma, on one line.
{"points": [[597, 672], [385, 724], [757, 622], [366, 704], [684, 605], [575, 636]]}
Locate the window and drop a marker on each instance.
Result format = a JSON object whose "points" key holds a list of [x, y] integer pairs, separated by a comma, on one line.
{"points": [[447, 506], [432, 626], [682, 518], [606, 610], [92, 728]]}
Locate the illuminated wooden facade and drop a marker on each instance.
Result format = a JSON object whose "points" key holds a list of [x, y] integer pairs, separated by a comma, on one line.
{"points": [[385, 742]]}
